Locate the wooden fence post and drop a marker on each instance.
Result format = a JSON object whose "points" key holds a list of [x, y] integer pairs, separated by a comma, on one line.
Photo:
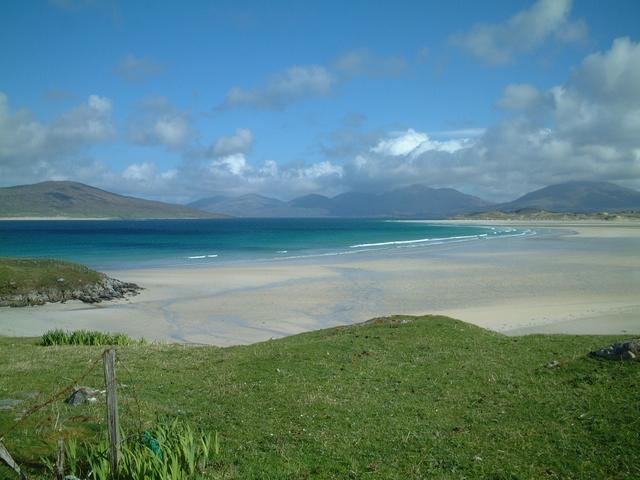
{"points": [[113, 423], [60, 460]]}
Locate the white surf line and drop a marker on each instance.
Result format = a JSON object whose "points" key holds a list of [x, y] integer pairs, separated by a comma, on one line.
{"points": [[422, 240]]}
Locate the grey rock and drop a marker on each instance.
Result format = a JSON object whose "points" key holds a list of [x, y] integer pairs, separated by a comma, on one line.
{"points": [[628, 355], [553, 364], [106, 289], [625, 350], [82, 395], [8, 403]]}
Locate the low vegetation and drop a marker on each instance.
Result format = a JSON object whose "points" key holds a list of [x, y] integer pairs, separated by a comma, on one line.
{"points": [[35, 281], [399, 397], [22, 276], [532, 214], [172, 450], [87, 337]]}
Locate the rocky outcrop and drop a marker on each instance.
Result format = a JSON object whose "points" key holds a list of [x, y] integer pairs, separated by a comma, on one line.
{"points": [[106, 289], [625, 350]]}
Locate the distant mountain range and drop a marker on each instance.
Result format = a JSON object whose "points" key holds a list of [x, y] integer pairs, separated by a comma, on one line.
{"points": [[419, 201], [409, 202], [577, 197], [76, 200], [70, 199]]}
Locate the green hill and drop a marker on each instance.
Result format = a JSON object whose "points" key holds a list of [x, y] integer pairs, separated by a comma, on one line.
{"points": [[578, 197], [76, 200], [395, 398]]}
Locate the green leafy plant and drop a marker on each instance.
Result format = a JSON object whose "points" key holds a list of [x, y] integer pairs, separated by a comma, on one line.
{"points": [[170, 451], [87, 337]]}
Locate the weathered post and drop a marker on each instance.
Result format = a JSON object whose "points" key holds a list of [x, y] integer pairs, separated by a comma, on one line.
{"points": [[60, 460], [113, 424]]}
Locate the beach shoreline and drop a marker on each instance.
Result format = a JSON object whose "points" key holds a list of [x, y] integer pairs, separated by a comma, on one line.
{"points": [[577, 277]]}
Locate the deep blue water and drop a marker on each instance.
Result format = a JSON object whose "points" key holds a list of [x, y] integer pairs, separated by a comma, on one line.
{"points": [[147, 243]]}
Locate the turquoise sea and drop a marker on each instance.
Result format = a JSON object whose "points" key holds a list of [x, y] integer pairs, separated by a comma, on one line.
{"points": [[119, 244]]}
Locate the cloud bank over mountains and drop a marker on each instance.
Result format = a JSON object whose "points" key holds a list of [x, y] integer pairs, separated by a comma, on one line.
{"points": [[584, 128]]}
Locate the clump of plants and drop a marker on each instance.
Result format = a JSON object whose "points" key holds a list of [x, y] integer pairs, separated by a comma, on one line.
{"points": [[87, 337], [170, 451]]}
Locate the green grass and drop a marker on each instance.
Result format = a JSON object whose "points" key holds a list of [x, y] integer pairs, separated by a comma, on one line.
{"points": [[87, 337], [172, 450], [22, 276], [405, 397]]}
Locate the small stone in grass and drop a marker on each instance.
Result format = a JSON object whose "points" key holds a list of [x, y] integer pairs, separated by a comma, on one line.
{"points": [[82, 395], [625, 350]]}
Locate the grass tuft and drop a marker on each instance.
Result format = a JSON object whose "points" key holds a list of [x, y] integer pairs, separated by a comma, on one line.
{"points": [[172, 450], [87, 337]]}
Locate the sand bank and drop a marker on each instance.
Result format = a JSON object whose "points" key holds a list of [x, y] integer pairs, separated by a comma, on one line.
{"points": [[569, 278]]}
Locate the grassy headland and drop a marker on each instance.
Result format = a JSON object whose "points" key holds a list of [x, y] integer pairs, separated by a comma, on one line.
{"points": [[400, 397], [25, 281]]}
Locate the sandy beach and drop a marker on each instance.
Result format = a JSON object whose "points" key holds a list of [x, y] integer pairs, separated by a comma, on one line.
{"points": [[568, 278]]}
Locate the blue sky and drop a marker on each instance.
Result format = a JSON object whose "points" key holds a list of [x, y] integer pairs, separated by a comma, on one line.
{"points": [[179, 101]]}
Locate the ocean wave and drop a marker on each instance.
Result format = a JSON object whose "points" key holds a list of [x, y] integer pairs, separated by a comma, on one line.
{"points": [[421, 240]]}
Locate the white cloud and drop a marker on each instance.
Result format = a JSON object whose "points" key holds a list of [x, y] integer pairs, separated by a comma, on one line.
{"points": [[269, 169], [87, 123], [316, 170], [157, 122], [135, 69], [524, 32], [460, 132], [236, 164], [240, 142], [415, 143], [139, 171], [284, 88], [298, 83], [30, 149], [521, 97], [99, 104], [587, 128], [364, 62], [601, 101], [171, 130]]}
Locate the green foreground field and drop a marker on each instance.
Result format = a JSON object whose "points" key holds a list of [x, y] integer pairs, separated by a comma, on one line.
{"points": [[400, 397]]}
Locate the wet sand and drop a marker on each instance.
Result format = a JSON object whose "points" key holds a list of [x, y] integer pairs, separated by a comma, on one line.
{"points": [[568, 278]]}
